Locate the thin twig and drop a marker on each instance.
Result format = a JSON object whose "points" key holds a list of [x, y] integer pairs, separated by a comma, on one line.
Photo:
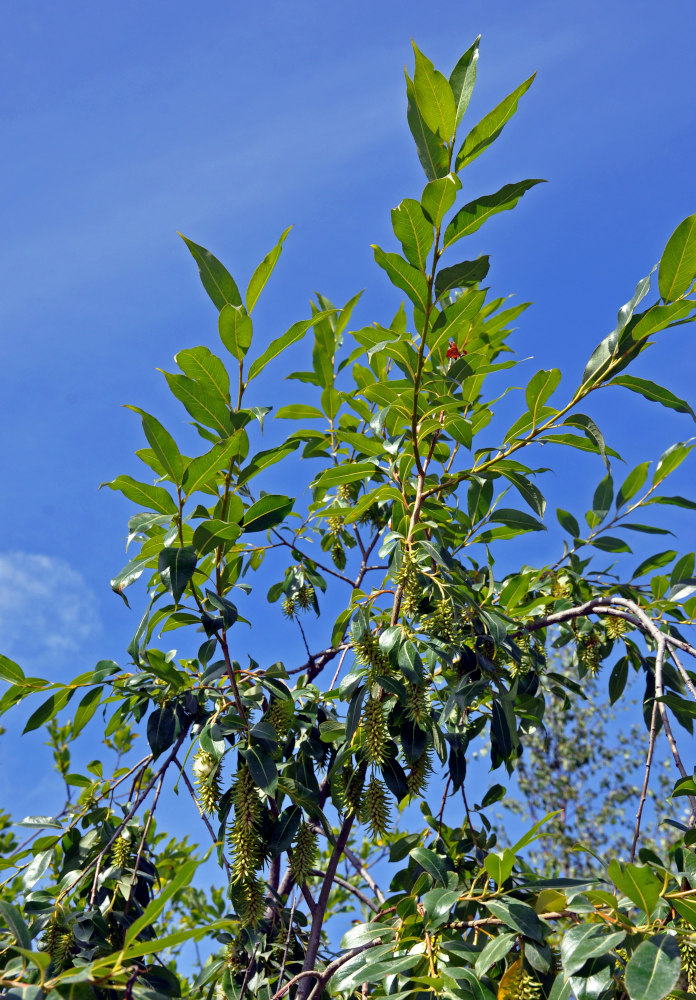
{"points": [[287, 938], [338, 668], [141, 846], [339, 880], [646, 779]]}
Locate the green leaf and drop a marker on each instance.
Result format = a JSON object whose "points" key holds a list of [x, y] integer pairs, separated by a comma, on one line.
{"points": [[262, 769], [617, 679], [527, 490], [204, 405], [437, 904], [678, 263], [264, 271], [432, 152], [500, 865], [161, 729], [653, 391], [413, 231], [47, 710], [463, 77], [438, 197], [606, 354], [432, 863], [218, 283], [632, 483], [475, 213], [203, 471], [603, 496], [684, 786], [568, 522], [10, 671], [13, 919], [176, 567], [584, 941], [183, 876], [277, 346], [152, 497], [461, 275], [206, 368], [299, 411], [350, 473], [361, 934], [608, 543], [658, 318], [670, 460], [653, 968], [37, 869], [404, 276], [519, 916], [434, 97], [638, 882], [236, 330], [494, 950], [267, 512], [263, 459], [656, 561], [539, 388], [592, 432], [86, 709], [211, 534], [163, 445], [490, 126], [516, 519]]}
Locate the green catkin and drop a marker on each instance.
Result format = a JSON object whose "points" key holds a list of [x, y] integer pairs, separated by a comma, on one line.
{"points": [[280, 714], [206, 769], [367, 651], [417, 704], [687, 951], [338, 555], [442, 623], [243, 836], [120, 852], [344, 493], [408, 579], [252, 901], [353, 784], [335, 525], [59, 942], [303, 856], [588, 653], [615, 627], [376, 732], [417, 777], [305, 597], [288, 607], [375, 808]]}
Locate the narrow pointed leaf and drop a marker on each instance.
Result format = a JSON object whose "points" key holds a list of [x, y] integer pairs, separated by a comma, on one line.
{"points": [[202, 471], [413, 231], [473, 215], [404, 276], [163, 445], [490, 126], [277, 346], [264, 271], [152, 497], [463, 77], [434, 97], [432, 152], [235, 329], [655, 392], [217, 281], [176, 567], [267, 512], [678, 263], [462, 275], [438, 197]]}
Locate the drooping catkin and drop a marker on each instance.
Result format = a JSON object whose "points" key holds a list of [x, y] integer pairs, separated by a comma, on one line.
{"points": [[376, 732], [206, 769], [417, 777], [417, 704], [303, 856], [243, 835], [375, 808]]}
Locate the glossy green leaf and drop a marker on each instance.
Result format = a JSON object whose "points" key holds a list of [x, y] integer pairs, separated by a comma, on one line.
{"points": [[539, 388], [632, 483], [653, 562], [663, 317], [670, 460], [261, 768], [10, 671], [13, 919], [47, 710], [203, 471], [653, 968], [462, 275], [516, 519], [603, 496], [263, 459], [495, 949], [463, 77], [404, 276], [568, 523], [211, 534], [350, 473], [475, 213], [609, 543], [86, 709], [205, 405], [431, 862], [584, 941], [500, 865], [182, 877], [263, 272], [439, 196], [206, 368], [617, 679], [592, 431], [217, 281], [176, 566], [432, 152], [163, 445], [152, 497], [638, 882], [161, 729], [655, 392], [299, 411], [605, 355], [434, 97], [490, 126], [678, 263], [527, 490], [267, 512], [236, 330], [517, 915], [413, 231], [296, 332]]}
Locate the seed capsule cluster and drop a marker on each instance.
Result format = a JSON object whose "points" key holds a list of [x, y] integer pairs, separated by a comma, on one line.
{"points": [[353, 784], [408, 579], [304, 854], [121, 852], [376, 732], [246, 844], [417, 777], [588, 652], [615, 627], [59, 943], [417, 704], [367, 650], [687, 951], [442, 623]]}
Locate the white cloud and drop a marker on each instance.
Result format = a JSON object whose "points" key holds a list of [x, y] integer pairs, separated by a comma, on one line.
{"points": [[47, 610]]}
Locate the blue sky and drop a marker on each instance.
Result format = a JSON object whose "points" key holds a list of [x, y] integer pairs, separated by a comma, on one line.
{"points": [[125, 122]]}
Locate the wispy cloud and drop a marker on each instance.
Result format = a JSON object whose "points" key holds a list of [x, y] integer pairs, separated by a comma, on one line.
{"points": [[47, 610]]}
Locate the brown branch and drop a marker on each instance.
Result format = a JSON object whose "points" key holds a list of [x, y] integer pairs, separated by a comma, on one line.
{"points": [[646, 779], [339, 880]]}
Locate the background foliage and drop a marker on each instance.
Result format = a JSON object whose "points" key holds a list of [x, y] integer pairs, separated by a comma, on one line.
{"points": [[396, 562]]}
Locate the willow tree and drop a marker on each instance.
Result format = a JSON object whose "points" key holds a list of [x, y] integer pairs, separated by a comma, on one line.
{"points": [[299, 771]]}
